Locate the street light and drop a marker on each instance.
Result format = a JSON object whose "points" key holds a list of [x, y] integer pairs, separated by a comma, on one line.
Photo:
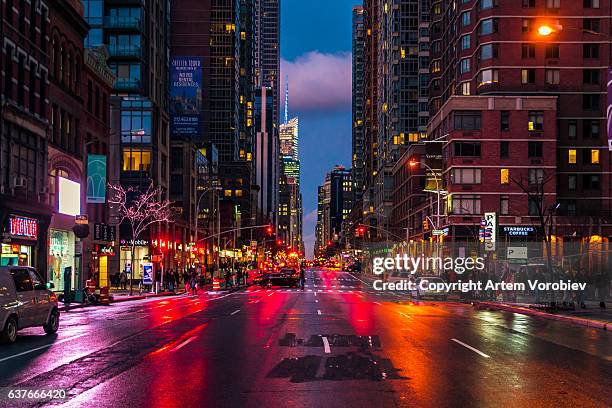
{"points": [[414, 163], [197, 210], [546, 30]]}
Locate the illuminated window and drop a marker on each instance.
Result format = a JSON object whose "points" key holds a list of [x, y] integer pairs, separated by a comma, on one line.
{"points": [[238, 193], [594, 156], [242, 35], [136, 160], [465, 88], [227, 193], [504, 176], [487, 76], [571, 159]]}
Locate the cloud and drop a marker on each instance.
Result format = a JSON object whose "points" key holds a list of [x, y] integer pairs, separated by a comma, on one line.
{"points": [[318, 81]]}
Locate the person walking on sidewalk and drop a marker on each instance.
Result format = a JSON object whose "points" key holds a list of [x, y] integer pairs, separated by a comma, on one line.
{"points": [[193, 284], [228, 279], [123, 280], [302, 277]]}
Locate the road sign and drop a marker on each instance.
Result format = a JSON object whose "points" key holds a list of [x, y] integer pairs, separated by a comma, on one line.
{"points": [[437, 232], [517, 253]]}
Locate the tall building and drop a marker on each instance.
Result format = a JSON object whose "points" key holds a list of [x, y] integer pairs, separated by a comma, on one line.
{"points": [[266, 158], [492, 50], [137, 37], [399, 85], [24, 120], [358, 89], [268, 50], [370, 142], [290, 203], [335, 202]]}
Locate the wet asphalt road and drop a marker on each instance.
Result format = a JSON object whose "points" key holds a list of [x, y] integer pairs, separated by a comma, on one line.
{"points": [[335, 344]]}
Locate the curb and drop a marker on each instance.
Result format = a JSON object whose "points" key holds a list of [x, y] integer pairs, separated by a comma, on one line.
{"points": [[120, 300], [598, 324]]}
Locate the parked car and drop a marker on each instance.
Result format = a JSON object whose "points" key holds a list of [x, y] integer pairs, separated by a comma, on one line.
{"points": [[25, 301], [285, 277], [419, 293]]}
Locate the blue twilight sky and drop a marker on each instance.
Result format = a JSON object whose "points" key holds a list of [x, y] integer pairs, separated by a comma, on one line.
{"points": [[315, 53]]}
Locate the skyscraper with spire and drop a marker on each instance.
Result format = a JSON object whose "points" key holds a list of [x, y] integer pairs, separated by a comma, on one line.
{"points": [[290, 198]]}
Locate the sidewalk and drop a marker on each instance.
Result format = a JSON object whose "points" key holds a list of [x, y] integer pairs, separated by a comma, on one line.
{"points": [[592, 316], [121, 296]]}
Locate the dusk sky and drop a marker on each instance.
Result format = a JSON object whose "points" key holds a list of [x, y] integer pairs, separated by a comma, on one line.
{"points": [[316, 54]]}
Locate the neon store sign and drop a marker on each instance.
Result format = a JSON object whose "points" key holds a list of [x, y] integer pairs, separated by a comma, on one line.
{"points": [[23, 227]]}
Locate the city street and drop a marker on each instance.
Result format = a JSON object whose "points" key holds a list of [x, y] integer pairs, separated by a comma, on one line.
{"points": [[336, 343]]}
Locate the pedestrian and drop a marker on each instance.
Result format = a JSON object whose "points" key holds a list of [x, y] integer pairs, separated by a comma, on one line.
{"points": [[193, 283], [123, 280], [302, 278], [228, 278]]}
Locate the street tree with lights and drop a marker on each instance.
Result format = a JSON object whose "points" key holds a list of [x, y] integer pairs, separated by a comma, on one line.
{"points": [[140, 209]]}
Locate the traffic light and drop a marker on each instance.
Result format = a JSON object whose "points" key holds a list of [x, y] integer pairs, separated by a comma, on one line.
{"points": [[426, 224], [269, 230], [360, 231], [279, 242]]}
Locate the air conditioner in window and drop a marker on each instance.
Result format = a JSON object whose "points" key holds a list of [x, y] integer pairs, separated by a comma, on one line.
{"points": [[19, 181]]}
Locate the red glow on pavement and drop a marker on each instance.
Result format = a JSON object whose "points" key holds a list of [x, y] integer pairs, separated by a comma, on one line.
{"points": [[181, 339]]}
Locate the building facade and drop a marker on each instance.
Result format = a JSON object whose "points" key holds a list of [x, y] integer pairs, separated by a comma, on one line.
{"points": [[137, 37], [358, 102], [25, 214]]}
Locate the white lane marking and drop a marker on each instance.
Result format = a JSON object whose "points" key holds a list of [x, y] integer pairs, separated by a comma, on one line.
{"points": [[270, 294], [23, 353], [318, 312], [326, 345], [475, 350], [315, 293], [405, 315], [189, 340], [234, 312], [316, 301], [378, 303]]}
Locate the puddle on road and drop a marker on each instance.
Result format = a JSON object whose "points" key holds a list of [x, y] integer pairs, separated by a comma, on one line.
{"points": [[347, 366], [354, 365], [335, 340]]}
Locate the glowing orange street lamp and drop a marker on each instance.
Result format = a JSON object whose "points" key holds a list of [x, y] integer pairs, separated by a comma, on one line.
{"points": [[545, 30], [412, 163]]}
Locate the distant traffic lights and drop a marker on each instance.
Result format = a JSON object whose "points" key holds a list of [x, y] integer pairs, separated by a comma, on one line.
{"points": [[426, 224], [270, 230], [360, 231], [279, 242]]}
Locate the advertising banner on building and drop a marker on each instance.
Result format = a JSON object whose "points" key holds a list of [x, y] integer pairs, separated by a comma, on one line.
{"points": [[185, 96], [490, 230], [147, 273], [96, 179], [609, 110]]}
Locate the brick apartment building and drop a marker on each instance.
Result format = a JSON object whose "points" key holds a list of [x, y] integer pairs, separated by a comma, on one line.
{"points": [[551, 58]]}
